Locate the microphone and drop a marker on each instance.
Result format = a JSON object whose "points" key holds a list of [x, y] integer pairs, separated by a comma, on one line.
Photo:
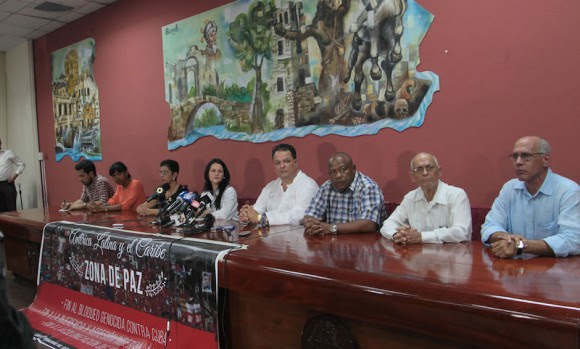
{"points": [[174, 204], [168, 224], [175, 219], [160, 218], [178, 216], [194, 207], [204, 201], [187, 199], [191, 204], [158, 192], [182, 202], [181, 208]]}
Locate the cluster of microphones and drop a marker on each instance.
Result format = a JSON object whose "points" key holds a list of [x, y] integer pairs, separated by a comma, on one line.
{"points": [[183, 211]]}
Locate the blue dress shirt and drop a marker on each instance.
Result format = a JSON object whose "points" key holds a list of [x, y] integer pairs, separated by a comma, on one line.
{"points": [[553, 214]]}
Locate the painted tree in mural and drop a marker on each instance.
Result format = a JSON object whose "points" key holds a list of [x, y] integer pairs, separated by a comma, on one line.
{"points": [[249, 36]]}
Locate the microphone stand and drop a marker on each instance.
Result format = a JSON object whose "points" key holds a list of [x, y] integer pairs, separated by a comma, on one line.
{"points": [[193, 228], [160, 214], [20, 193]]}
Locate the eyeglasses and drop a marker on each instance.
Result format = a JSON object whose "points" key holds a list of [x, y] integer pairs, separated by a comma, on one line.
{"points": [[524, 156], [420, 169]]}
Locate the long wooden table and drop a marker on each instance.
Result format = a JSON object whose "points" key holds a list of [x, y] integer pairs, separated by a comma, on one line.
{"points": [[287, 290]]}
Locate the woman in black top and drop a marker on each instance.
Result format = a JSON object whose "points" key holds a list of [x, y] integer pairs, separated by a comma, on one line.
{"points": [[168, 172]]}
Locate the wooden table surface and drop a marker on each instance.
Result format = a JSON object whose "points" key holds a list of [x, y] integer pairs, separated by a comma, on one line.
{"points": [[458, 294]]}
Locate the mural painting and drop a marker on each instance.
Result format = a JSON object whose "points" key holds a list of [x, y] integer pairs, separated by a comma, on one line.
{"points": [[75, 102], [258, 70]]}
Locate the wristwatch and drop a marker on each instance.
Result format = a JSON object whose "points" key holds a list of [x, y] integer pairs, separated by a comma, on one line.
{"points": [[520, 247], [334, 229]]}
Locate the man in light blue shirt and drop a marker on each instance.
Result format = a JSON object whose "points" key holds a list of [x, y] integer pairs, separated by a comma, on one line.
{"points": [[537, 213]]}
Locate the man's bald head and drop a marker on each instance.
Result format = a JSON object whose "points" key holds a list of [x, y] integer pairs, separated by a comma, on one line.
{"points": [[423, 155], [539, 145], [347, 159], [425, 172]]}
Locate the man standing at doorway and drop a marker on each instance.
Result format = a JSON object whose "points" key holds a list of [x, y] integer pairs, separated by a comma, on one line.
{"points": [[9, 160]]}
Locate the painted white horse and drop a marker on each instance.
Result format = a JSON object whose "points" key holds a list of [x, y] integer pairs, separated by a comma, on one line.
{"points": [[378, 29]]}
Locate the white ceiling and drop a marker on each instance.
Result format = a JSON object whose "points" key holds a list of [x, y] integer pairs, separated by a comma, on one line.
{"points": [[19, 21]]}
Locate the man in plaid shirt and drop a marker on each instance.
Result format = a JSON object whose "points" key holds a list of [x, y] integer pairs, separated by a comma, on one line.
{"points": [[96, 187], [349, 202]]}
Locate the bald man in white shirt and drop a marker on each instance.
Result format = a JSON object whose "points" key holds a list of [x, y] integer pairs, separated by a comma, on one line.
{"points": [[433, 213]]}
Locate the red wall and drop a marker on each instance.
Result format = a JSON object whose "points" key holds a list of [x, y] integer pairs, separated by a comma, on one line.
{"points": [[507, 69]]}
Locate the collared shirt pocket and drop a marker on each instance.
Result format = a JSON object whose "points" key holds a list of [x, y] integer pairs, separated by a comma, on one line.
{"points": [[549, 228]]}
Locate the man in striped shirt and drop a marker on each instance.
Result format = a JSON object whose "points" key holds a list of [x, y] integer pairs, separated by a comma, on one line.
{"points": [[96, 187]]}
